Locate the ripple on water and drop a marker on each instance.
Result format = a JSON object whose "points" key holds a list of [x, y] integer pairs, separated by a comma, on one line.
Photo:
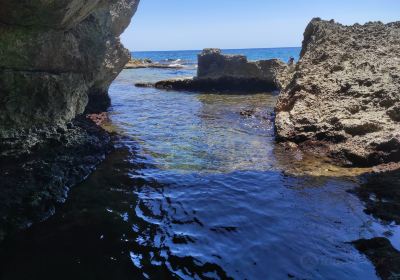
{"points": [[196, 190]]}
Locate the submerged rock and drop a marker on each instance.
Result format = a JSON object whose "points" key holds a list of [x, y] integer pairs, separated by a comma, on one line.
{"points": [[344, 92], [380, 191], [218, 72], [383, 255]]}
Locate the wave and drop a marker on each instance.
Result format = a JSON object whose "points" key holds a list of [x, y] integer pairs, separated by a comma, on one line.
{"points": [[176, 65]]}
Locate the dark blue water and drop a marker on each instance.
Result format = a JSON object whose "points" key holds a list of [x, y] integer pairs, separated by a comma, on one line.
{"points": [[196, 190]]}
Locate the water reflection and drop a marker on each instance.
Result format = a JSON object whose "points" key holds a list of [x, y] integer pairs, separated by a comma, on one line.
{"points": [[127, 221]]}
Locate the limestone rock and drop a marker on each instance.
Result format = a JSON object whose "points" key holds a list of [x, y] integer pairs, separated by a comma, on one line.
{"points": [[345, 92]]}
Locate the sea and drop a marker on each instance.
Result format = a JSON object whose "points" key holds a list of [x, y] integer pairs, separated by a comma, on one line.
{"points": [[195, 189]]}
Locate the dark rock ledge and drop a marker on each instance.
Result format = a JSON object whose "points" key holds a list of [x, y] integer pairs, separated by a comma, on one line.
{"points": [[385, 258], [380, 191], [38, 168]]}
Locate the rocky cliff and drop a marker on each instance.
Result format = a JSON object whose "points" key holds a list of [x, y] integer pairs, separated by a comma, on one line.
{"points": [[57, 60], [345, 93], [219, 72], [57, 55]]}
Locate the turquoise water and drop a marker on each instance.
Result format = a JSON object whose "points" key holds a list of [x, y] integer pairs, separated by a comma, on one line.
{"points": [[196, 190]]}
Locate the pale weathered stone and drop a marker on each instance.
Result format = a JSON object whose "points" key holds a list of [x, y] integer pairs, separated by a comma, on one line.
{"points": [[345, 92]]}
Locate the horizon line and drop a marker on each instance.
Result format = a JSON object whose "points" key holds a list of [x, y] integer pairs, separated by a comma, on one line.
{"points": [[226, 49]]}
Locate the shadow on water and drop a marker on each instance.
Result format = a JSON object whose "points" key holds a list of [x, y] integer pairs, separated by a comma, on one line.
{"points": [[130, 220], [97, 234]]}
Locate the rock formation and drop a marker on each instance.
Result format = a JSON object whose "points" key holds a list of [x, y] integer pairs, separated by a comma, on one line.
{"points": [[345, 93], [57, 59], [54, 57], [218, 72]]}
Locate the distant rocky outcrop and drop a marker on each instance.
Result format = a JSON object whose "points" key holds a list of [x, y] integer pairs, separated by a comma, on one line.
{"points": [[57, 60], [147, 63], [218, 72], [344, 93]]}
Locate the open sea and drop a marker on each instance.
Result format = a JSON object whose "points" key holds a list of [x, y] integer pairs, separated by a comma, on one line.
{"points": [[196, 190]]}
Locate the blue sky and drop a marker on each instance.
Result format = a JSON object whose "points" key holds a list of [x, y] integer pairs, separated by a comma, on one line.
{"points": [[197, 24]]}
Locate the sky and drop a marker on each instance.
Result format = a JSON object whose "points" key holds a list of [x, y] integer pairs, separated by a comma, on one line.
{"points": [[236, 24]]}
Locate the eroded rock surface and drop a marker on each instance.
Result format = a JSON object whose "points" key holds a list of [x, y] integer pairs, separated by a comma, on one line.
{"points": [[55, 56], [219, 72], [345, 92]]}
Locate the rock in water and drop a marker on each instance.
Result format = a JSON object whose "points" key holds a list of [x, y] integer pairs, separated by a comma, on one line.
{"points": [[345, 92], [219, 72], [382, 254], [55, 58]]}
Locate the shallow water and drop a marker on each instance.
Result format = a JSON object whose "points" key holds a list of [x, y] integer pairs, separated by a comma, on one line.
{"points": [[196, 190]]}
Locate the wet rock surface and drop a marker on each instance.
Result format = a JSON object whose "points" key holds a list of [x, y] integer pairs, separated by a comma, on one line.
{"points": [[381, 194], [230, 73], [382, 254], [223, 84], [344, 93], [38, 169]]}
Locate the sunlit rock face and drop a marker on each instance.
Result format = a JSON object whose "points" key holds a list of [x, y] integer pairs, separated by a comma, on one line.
{"points": [[57, 55], [345, 92]]}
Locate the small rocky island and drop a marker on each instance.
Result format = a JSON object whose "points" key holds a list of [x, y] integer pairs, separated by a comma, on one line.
{"points": [[234, 73]]}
